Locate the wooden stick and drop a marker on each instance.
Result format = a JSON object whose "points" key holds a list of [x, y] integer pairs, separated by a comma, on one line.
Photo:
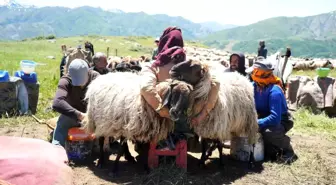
{"points": [[108, 52], [43, 122], [284, 66]]}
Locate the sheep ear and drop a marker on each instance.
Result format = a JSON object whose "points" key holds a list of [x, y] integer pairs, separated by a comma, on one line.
{"points": [[190, 87], [167, 97], [202, 73]]}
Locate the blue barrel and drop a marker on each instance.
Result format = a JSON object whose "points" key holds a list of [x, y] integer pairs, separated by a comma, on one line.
{"points": [[4, 76], [28, 78]]}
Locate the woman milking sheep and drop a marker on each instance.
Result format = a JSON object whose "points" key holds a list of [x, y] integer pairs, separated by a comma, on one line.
{"points": [[274, 120], [171, 52]]}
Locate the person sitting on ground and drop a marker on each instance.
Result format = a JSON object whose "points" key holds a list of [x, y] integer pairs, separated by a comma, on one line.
{"points": [[155, 51], [262, 51], [69, 99], [237, 63], [171, 52], [99, 61], [274, 118]]}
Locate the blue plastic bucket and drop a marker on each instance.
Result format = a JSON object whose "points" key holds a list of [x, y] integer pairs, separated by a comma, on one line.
{"points": [[27, 66]]}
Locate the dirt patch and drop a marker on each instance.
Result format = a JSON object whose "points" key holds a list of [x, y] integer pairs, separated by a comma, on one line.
{"points": [[316, 165]]}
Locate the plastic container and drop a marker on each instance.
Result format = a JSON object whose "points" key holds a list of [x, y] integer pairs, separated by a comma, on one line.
{"points": [[322, 72], [4, 76], [27, 66], [241, 150], [27, 78], [79, 144]]}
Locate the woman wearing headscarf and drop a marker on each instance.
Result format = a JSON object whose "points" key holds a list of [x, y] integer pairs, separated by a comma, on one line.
{"points": [[274, 120], [170, 52]]}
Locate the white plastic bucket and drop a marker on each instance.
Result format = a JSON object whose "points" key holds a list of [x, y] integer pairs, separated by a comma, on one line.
{"points": [[27, 66], [241, 150]]}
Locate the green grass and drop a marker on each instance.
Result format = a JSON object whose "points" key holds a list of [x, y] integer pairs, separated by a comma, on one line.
{"points": [[320, 124], [312, 73]]}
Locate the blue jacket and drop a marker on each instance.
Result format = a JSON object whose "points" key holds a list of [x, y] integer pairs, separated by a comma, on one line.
{"points": [[270, 104]]}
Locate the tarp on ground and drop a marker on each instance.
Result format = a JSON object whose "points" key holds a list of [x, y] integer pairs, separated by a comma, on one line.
{"points": [[33, 162]]}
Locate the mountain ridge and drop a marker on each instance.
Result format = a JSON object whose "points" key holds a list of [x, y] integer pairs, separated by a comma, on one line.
{"points": [[20, 23]]}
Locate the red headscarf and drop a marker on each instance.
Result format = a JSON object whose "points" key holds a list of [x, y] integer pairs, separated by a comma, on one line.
{"points": [[170, 46]]}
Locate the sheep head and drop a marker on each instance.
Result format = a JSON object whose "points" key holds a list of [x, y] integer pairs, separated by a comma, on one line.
{"points": [[176, 98], [190, 71]]}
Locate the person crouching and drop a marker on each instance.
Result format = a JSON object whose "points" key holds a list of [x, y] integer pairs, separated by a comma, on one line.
{"points": [[273, 117], [69, 99]]}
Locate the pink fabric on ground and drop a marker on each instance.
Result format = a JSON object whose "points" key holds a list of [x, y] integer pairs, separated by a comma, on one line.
{"points": [[29, 161]]}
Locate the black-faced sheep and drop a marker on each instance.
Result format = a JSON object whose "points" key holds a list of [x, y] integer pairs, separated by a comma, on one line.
{"points": [[234, 113]]}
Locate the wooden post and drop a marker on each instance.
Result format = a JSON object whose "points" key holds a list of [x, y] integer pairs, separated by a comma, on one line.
{"points": [[116, 52], [108, 52], [288, 53]]}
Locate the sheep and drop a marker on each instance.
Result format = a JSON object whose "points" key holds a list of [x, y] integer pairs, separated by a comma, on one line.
{"points": [[116, 109], [234, 113], [322, 63], [303, 65], [125, 64]]}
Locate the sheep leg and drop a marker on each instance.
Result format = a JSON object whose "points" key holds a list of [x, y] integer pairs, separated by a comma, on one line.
{"points": [[220, 151], [116, 162], [143, 155], [211, 149], [203, 157], [251, 160], [127, 154], [101, 160]]}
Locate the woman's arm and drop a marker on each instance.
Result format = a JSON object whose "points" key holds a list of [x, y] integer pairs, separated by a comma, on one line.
{"points": [[61, 105], [149, 92], [274, 118]]}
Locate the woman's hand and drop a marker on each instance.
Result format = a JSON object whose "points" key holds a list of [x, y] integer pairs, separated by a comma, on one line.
{"points": [[81, 116]]}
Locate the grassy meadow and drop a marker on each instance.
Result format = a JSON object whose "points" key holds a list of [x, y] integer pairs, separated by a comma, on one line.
{"points": [[313, 135]]}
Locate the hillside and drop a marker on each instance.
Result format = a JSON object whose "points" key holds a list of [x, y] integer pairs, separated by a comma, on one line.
{"points": [[214, 26], [321, 26], [18, 22], [309, 36]]}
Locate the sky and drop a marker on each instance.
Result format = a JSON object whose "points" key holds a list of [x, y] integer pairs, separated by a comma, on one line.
{"points": [[237, 12]]}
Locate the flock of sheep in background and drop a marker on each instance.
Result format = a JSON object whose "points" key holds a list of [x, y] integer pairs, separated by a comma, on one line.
{"points": [[216, 56]]}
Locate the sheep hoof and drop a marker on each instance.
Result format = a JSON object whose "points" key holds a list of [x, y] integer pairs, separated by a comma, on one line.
{"points": [[201, 164], [100, 164], [250, 166]]}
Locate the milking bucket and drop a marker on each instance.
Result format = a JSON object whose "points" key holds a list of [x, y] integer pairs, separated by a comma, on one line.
{"points": [[241, 149]]}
